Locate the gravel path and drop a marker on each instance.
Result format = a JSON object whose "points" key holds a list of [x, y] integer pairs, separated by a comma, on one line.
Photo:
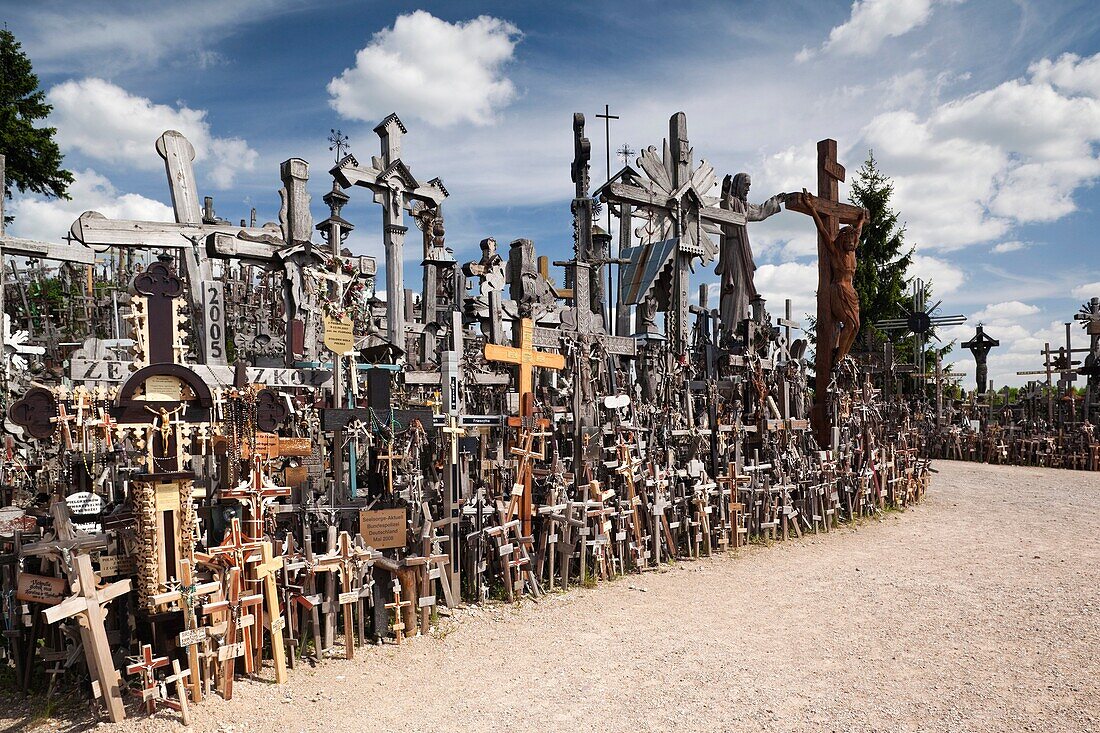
{"points": [[977, 611]]}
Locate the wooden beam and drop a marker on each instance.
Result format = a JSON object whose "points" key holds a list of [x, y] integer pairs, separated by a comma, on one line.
{"points": [[48, 250]]}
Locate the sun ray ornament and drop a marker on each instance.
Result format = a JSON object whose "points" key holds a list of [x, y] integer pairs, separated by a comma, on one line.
{"points": [[920, 320]]}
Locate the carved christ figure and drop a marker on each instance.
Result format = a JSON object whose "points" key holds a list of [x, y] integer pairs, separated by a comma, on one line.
{"points": [[735, 262], [842, 300]]}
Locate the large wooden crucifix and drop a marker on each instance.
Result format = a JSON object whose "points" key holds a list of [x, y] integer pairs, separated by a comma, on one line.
{"points": [[396, 189], [837, 304]]}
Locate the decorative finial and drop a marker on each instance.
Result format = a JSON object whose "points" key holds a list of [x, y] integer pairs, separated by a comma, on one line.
{"points": [[339, 143]]}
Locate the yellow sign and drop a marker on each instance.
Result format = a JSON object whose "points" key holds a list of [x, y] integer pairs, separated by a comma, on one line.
{"points": [[339, 334]]}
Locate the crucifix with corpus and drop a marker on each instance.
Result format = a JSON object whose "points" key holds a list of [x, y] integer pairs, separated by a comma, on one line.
{"points": [[837, 301]]}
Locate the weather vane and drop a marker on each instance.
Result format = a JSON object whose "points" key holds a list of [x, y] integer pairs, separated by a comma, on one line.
{"points": [[339, 143]]}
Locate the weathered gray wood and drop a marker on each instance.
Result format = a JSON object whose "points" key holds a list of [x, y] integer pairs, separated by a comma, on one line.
{"points": [[95, 230], [47, 250], [178, 153]]}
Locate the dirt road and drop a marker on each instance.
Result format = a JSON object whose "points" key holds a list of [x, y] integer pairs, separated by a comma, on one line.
{"points": [[977, 611]]}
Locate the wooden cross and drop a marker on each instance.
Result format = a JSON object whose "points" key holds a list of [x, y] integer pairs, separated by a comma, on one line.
{"points": [[193, 635], [454, 430], [233, 605], [830, 174], [234, 548], [146, 666], [345, 560], [253, 492], [62, 420], [396, 607], [265, 573], [88, 602], [526, 357], [180, 679]]}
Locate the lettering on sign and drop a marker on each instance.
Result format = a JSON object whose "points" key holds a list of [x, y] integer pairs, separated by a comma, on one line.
{"points": [[190, 637], [244, 621], [214, 304], [167, 497], [40, 589], [383, 529], [112, 565], [83, 503], [339, 334], [89, 371], [163, 388], [278, 624], [296, 447], [349, 597]]}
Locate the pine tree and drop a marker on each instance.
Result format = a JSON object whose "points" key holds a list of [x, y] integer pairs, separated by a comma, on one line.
{"points": [[881, 261], [33, 158]]}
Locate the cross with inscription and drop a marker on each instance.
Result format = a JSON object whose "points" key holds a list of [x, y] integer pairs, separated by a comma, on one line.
{"points": [[346, 560]]}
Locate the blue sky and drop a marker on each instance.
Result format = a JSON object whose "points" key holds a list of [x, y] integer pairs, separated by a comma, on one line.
{"points": [[986, 113]]}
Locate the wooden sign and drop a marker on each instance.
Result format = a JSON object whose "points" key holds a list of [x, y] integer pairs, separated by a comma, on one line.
{"points": [[295, 475], [350, 596], [112, 565], [190, 637], [339, 334], [231, 651], [383, 529], [40, 589]]}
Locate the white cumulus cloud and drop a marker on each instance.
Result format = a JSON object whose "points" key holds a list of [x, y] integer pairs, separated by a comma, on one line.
{"points": [[870, 24], [1011, 246], [48, 220], [1087, 291], [976, 167], [1006, 311], [443, 73], [105, 122]]}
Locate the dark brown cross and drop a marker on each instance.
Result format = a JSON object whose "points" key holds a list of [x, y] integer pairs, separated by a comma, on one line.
{"points": [[833, 214], [161, 286]]}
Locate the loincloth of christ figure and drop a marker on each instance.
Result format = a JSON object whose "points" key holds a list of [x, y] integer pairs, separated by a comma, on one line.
{"points": [[841, 297]]}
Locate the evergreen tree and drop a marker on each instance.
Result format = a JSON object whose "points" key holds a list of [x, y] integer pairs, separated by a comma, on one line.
{"points": [[33, 158], [882, 260]]}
